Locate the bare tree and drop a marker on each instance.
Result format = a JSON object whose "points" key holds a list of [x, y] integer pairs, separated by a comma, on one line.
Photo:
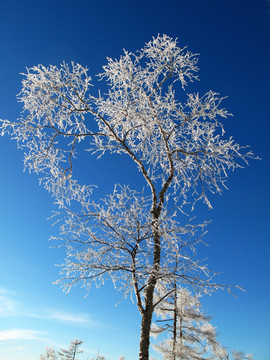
{"points": [[178, 148]]}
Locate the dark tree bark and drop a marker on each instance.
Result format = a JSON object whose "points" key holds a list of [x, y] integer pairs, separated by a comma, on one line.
{"points": [[149, 293]]}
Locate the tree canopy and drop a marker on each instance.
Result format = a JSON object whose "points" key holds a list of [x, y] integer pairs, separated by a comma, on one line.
{"points": [[176, 139]]}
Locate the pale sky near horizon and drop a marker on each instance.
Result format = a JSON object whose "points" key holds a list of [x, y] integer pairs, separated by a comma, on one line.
{"points": [[233, 40]]}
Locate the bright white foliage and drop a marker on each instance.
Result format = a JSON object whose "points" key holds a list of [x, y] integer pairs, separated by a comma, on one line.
{"points": [[140, 115], [116, 239], [178, 146]]}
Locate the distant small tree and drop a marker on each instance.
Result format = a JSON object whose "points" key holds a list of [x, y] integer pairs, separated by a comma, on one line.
{"points": [[237, 355], [240, 355], [72, 351], [176, 141], [191, 336], [50, 354], [98, 357]]}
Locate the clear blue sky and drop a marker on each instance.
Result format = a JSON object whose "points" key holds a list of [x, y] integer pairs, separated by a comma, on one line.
{"points": [[233, 40]]}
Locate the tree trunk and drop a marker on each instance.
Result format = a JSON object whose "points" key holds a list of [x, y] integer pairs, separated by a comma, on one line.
{"points": [[149, 292], [174, 321], [147, 315], [181, 335], [145, 334]]}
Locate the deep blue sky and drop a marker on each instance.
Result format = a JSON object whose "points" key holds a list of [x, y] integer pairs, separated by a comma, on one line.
{"points": [[232, 38]]}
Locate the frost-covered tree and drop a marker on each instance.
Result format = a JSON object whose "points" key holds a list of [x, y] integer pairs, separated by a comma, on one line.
{"points": [[50, 354], [175, 139], [240, 355], [72, 351], [99, 357], [237, 355], [191, 335]]}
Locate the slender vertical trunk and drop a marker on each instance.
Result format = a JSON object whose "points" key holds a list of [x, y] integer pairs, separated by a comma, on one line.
{"points": [[74, 353], [145, 334], [174, 320], [149, 294], [181, 335]]}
